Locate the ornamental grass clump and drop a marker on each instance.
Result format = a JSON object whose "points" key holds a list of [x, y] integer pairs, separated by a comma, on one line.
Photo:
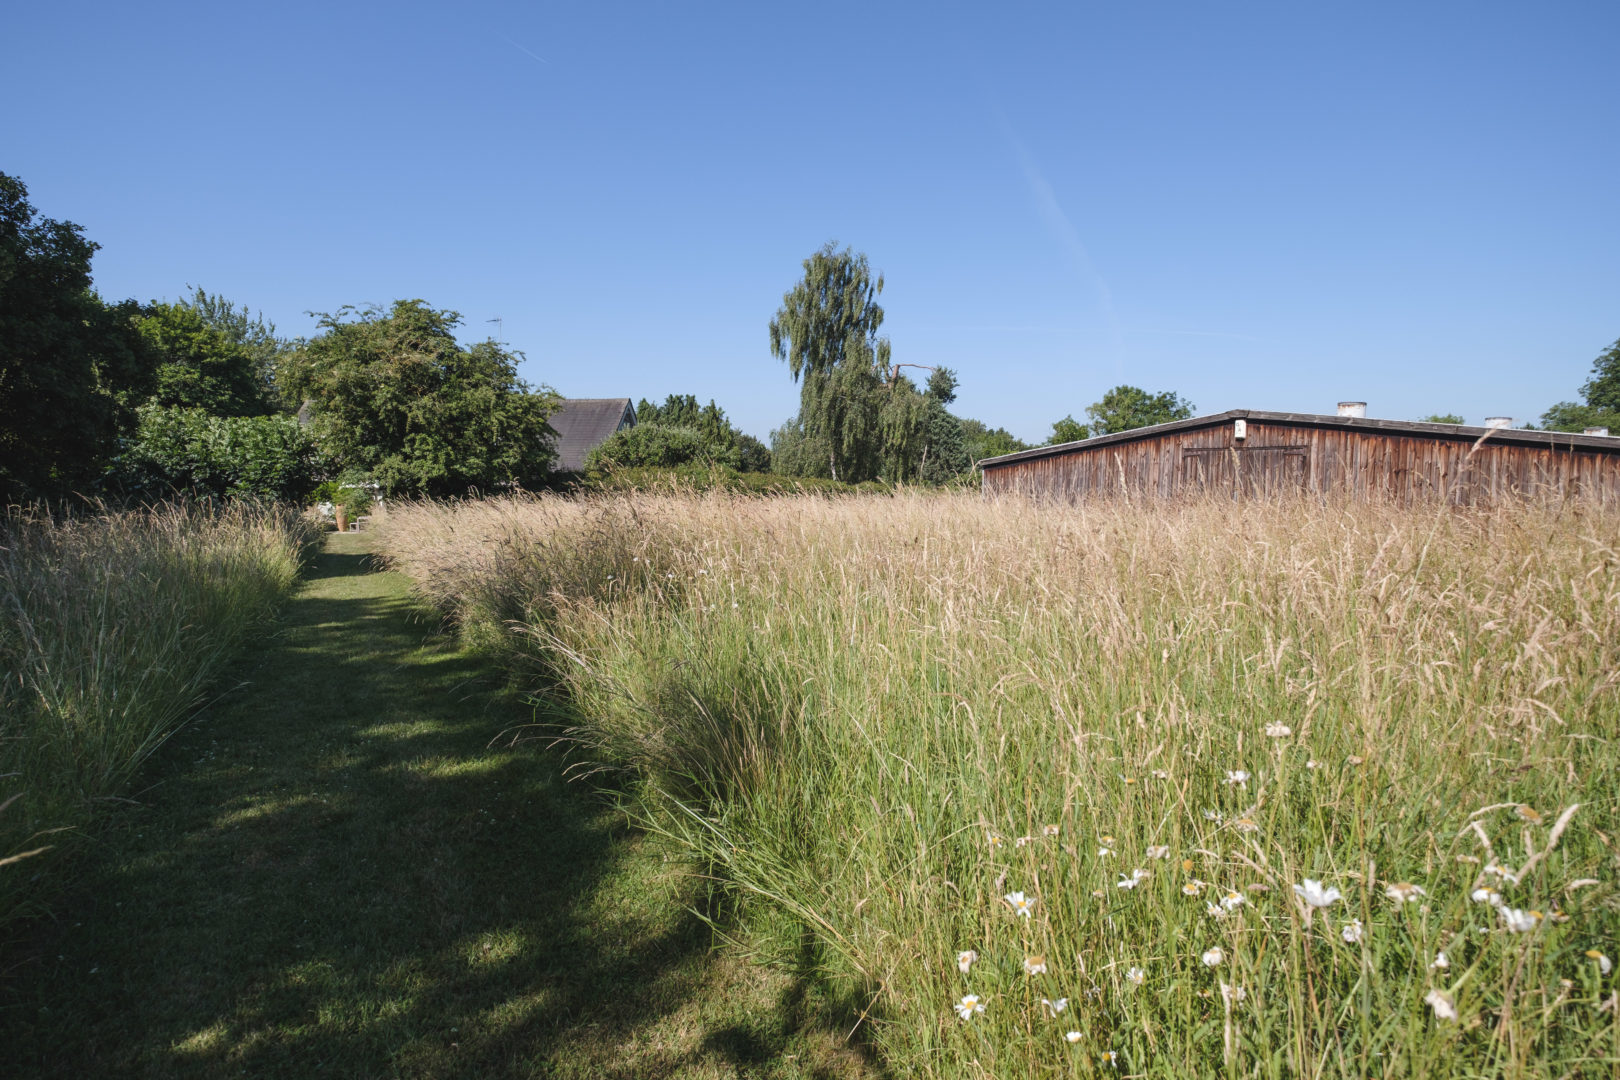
{"points": [[1270, 788], [112, 625]]}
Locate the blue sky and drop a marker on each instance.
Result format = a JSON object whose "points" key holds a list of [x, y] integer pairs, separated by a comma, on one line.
{"points": [[1271, 206]]}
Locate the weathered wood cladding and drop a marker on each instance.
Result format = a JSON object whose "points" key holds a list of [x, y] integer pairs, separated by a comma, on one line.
{"points": [[1382, 462]]}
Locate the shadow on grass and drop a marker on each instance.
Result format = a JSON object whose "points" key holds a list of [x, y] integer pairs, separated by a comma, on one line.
{"points": [[333, 872]]}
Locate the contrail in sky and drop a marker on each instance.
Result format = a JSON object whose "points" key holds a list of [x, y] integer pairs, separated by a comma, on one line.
{"points": [[1058, 221], [526, 52]]}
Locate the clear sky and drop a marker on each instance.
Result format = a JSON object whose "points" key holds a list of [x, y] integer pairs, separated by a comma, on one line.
{"points": [[1271, 206]]}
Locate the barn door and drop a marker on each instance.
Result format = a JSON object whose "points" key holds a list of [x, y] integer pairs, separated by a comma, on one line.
{"points": [[1244, 471], [1273, 470]]}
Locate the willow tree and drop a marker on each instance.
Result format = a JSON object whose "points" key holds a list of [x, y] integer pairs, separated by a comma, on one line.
{"points": [[827, 331]]}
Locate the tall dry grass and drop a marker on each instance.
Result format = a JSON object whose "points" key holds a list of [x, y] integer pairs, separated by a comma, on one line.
{"points": [[112, 626], [882, 718]]}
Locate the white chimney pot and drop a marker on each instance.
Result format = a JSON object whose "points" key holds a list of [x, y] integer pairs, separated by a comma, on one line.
{"points": [[1352, 408]]}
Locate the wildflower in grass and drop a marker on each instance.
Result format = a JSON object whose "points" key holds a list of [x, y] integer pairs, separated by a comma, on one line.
{"points": [[1106, 839], [1098, 894], [1444, 1008], [1158, 851], [1135, 878], [1192, 888], [1556, 915], [1129, 780], [1246, 824], [1215, 911], [1404, 892], [1315, 895], [1103, 851], [1214, 956], [1049, 830], [1440, 962], [1237, 778], [1313, 764], [1497, 870], [1035, 964], [1356, 759], [1213, 815], [1486, 895], [1520, 922], [1233, 995], [1233, 900], [1160, 774], [994, 839], [1136, 976], [1110, 1058], [1023, 841], [1605, 965], [1527, 814], [1073, 1036], [1469, 859], [1279, 731], [968, 1006], [1055, 1007], [1351, 931], [1186, 866], [966, 959], [1021, 904]]}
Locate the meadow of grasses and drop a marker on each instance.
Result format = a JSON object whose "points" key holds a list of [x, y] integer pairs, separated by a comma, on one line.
{"points": [[112, 626], [1261, 789]]}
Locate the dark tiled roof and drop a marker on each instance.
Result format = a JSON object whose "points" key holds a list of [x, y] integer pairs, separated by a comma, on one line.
{"points": [[583, 424]]}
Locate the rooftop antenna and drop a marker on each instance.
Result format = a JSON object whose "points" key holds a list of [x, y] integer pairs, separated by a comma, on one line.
{"points": [[500, 329]]}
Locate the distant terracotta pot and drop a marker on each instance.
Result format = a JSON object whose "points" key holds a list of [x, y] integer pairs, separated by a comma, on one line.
{"points": [[342, 513]]}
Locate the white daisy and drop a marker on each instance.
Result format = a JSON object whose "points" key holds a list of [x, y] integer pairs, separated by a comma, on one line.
{"points": [[1158, 851], [1213, 957], [1444, 1008], [1233, 994], [1136, 976], [1351, 931], [965, 960], [1279, 731], [1315, 895], [1023, 905], [1237, 777], [1136, 878], [1074, 1036], [1233, 900], [1520, 922], [1056, 1006], [1035, 965], [969, 1005], [1605, 965], [1404, 892], [1440, 962]]}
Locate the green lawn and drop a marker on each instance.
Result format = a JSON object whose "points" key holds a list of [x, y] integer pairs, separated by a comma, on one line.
{"points": [[340, 869]]}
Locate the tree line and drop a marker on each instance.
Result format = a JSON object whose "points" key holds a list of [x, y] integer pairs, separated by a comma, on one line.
{"points": [[201, 396]]}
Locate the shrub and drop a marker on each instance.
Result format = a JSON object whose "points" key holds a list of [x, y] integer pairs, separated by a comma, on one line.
{"points": [[189, 451]]}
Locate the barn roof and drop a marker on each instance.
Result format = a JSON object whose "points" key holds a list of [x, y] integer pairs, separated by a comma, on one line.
{"points": [[1562, 440], [583, 424]]}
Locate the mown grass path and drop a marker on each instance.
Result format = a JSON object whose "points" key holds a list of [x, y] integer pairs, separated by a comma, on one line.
{"points": [[339, 870]]}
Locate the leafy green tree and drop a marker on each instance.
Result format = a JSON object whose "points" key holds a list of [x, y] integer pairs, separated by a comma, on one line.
{"points": [[1068, 430], [1601, 392], [396, 399], [72, 368], [1441, 418], [724, 443], [827, 331], [200, 366], [985, 442], [660, 446], [1126, 407], [177, 450]]}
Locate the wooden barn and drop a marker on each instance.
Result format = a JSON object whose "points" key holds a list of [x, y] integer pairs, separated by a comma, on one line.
{"points": [[1244, 452]]}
